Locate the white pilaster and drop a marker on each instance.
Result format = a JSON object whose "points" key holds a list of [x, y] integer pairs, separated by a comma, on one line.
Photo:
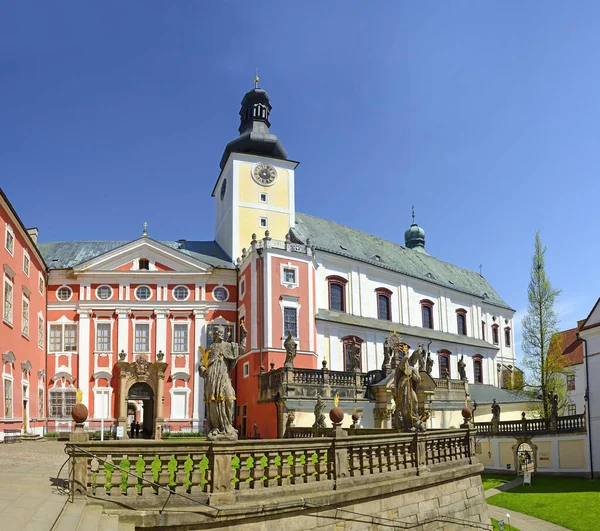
{"points": [[197, 381], [161, 331], [83, 379], [123, 331]]}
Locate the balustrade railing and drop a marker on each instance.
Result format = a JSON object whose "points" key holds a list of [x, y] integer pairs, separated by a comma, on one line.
{"points": [[218, 472], [569, 424]]}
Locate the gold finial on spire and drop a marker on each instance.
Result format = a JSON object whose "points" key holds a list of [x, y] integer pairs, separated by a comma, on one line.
{"points": [[145, 233], [256, 78], [413, 214]]}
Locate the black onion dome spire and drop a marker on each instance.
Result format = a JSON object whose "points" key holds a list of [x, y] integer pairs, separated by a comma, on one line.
{"points": [[254, 136]]}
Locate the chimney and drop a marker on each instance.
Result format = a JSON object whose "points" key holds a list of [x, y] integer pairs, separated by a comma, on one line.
{"points": [[33, 233]]}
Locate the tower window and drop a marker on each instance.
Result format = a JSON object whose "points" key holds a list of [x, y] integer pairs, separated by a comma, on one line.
{"points": [[495, 339], [144, 264], [337, 293], [427, 313], [478, 369], [290, 321], [263, 197], [461, 322], [263, 223], [483, 330], [507, 337]]}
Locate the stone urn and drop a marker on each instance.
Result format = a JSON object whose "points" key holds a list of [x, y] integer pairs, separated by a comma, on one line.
{"points": [[79, 413]]}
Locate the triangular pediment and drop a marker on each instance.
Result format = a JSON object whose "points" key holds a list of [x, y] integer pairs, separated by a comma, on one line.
{"points": [[161, 258], [593, 319]]}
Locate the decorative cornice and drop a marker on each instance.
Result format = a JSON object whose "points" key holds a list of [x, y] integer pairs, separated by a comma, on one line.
{"points": [[180, 376], [63, 374], [159, 312], [84, 313], [102, 374], [26, 366], [26, 290], [123, 312], [9, 271], [42, 373]]}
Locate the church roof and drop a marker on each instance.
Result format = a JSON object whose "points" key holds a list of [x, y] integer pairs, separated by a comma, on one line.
{"points": [[65, 255], [341, 240], [572, 346], [485, 394]]}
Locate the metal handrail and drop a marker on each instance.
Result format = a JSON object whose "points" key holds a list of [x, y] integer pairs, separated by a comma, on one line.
{"points": [[213, 508]]}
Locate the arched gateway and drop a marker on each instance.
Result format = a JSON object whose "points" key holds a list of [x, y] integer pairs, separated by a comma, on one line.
{"points": [[142, 381]]}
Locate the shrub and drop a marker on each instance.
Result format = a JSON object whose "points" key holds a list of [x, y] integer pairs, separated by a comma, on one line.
{"points": [[51, 434]]}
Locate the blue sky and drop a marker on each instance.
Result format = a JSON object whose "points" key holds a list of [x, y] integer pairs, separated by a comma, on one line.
{"points": [[484, 115]]}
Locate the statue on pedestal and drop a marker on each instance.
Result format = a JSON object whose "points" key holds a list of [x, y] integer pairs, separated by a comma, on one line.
{"points": [[462, 368], [219, 395], [417, 358], [319, 415], [290, 350], [428, 364], [355, 352], [495, 411], [406, 381]]}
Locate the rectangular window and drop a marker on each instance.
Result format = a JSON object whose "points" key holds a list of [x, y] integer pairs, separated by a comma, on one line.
{"points": [[426, 314], [507, 337], [179, 405], [41, 403], [25, 321], [8, 301], [9, 241], [103, 343], [289, 275], [41, 332], [571, 409], [495, 334], [263, 223], [290, 321], [444, 367], [26, 263], [142, 338], [383, 307], [571, 382], [263, 197], [8, 399], [461, 324], [483, 330], [63, 338], [246, 369], [242, 287], [101, 404], [70, 337], [41, 284], [180, 338], [336, 297], [61, 403], [55, 339]]}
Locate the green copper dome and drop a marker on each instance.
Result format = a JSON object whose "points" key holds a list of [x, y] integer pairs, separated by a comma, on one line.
{"points": [[414, 237]]}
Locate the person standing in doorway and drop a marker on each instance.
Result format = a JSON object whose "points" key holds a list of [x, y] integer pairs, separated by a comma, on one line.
{"points": [[137, 429]]}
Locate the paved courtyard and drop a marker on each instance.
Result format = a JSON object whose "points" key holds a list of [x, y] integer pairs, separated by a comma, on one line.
{"points": [[30, 493]]}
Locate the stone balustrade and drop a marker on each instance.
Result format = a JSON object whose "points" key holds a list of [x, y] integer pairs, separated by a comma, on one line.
{"points": [[217, 473], [568, 424]]}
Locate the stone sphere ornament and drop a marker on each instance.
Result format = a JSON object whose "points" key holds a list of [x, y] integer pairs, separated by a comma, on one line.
{"points": [[79, 413], [336, 415], [355, 417], [466, 413]]}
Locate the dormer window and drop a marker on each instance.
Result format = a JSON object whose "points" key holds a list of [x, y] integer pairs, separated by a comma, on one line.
{"points": [[144, 264]]}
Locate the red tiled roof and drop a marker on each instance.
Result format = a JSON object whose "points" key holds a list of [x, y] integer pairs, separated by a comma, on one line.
{"points": [[572, 347]]}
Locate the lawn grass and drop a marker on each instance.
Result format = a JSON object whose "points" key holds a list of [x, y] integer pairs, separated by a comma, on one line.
{"points": [[506, 526], [492, 481], [569, 502]]}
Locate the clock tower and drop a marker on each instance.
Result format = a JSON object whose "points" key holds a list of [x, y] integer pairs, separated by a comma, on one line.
{"points": [[255, 189]]}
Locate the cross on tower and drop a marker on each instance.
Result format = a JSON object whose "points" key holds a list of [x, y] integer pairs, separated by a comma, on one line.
{"points": [[256, 78], [145, 233], [413, 214]]}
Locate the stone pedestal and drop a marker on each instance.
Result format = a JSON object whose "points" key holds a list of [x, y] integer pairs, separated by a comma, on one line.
{"points": [[78, 465]]}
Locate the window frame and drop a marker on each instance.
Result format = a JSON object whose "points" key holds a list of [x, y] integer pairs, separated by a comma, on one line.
{"points": [[478, 361], [260, 197], [25, 315], [495, 334], [387, 295], [9, 232], [285, 328], [41, 332], [179, 287], [145, 262], [186, 346], [335, 280], [461, 313], [571, 409], [427, 304], [65, 406], [41, 400], [64, 287], [63, 336], [103, 323], [226, 294], [282, 271], [263, 222], [507, 337], [483, 330], [246, 369], [9, 379], [242, 286], [444, 354], [8, 316], [26, 260], [41, 283], [349, 341], [110, 292], [135, 293], [148, 338], [570, 382]]}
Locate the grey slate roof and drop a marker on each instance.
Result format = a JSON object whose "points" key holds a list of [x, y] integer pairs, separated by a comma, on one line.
{"points": [[485, 394], [404, 330], [65, 255], [344, 241]]}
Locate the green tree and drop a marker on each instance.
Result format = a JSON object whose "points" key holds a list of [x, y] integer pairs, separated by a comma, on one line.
{"points": [[543, 354]]}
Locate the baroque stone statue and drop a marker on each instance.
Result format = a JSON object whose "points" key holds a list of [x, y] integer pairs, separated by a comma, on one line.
{"points": [[495, 410], [428, 364], [417, 358], [406, 382], [355, 352], [290, 350], [319, 415], [462, 368], [219, 395]]}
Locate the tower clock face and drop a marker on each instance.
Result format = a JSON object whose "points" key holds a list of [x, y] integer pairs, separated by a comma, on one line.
{"points": [[223, 189], [264, 174]]}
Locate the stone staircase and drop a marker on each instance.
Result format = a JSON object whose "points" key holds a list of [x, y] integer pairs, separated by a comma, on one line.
{"points": [[79, 516]]}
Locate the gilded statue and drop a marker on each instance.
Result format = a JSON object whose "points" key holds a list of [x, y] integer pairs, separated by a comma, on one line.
{"points": [[219, 395]]}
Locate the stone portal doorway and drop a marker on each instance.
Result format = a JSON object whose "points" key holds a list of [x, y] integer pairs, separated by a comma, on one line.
{"points": [[142, 392], [525, 458]]}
